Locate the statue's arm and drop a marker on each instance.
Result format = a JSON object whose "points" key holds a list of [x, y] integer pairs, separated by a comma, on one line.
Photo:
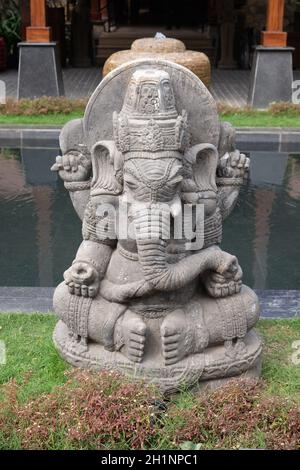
{"points": [[227, 198], [88, 268], [92, 258], [97, 255], [232, 171], [75, 165], [75, 169]]}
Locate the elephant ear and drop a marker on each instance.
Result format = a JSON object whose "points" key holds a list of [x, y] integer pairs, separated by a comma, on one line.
{"points": [[71, 136], [107, 164], [203, 160]]}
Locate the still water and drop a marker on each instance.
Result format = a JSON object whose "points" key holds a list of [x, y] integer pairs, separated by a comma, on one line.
{"points": [[40, 231]]}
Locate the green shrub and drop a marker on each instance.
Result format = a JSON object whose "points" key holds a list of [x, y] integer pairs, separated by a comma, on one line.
{"points": [[43, 106]]}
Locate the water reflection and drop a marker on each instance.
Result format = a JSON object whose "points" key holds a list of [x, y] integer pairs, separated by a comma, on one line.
{"points": [[40, 231], [263, 231]]}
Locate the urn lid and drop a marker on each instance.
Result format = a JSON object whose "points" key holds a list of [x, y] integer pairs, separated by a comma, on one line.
{"points": [[158, 44]]}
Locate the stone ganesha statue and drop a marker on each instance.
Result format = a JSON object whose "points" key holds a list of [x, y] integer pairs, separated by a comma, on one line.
{"points": [[144, 295]]}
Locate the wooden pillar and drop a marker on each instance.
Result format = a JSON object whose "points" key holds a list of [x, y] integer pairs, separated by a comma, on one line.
{"points": [[95, 10], [38, 31], [36, 50], [25, 17], [274, 36]]}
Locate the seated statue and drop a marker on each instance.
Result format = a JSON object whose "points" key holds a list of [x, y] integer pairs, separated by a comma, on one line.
{"points": [[150, 293]]}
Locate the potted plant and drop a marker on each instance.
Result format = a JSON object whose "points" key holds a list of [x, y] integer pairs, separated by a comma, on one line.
{"points": [[10, 30], [3, 62]]}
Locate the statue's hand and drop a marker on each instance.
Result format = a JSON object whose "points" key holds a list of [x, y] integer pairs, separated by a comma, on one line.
{"points": [[82, 279], [73, 166], [234, 165], [226, 279]]}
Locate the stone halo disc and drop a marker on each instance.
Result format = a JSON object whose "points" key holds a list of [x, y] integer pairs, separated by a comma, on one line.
{"points": [[190, 94]]}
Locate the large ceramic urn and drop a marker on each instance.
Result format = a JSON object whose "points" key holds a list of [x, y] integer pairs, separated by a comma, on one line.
{"points": [[161, 47]]}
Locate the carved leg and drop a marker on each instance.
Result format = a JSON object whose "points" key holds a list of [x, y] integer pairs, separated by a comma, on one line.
{"points": [[174, 337], [87, 318], [83, 344], [183, 333], [130, 336], [235, 347], [103, 319], [229, 319]]}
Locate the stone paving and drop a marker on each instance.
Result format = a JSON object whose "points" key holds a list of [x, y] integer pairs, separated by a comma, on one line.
{"points": [[78, 82], [228, 86], [81, 82]]}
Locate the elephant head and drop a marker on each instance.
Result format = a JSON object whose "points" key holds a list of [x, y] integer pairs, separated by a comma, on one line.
{"points": [[154, 188]]}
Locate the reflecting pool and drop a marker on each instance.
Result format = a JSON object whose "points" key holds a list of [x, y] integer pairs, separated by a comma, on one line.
{"points": [[40, 231]]}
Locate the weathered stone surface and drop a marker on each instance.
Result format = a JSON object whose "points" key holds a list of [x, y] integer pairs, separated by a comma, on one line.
{"points": [[190, 94], [151, 301], [75, 156], [271, 76], [39, 71], [208, 369]]}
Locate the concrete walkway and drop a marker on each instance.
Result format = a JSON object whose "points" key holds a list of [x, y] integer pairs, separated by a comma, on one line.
{"points": [[274, 303], [78, 82], [228, 86]]}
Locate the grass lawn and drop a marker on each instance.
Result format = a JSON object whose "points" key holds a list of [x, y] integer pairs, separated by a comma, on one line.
{"points": [[57, 111], [29, 347], [43, 119], [262, 119], [33, 373], [238, 119]]}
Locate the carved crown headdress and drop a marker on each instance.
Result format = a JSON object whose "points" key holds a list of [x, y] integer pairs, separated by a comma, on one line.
{"points": [[149, 122]]}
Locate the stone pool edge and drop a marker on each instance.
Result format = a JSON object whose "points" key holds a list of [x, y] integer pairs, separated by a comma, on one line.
{"points": [[276, 304], [269, 139]]}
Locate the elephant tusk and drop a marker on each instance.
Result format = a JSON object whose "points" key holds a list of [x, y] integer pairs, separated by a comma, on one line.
{"points": [[175, 206]]}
